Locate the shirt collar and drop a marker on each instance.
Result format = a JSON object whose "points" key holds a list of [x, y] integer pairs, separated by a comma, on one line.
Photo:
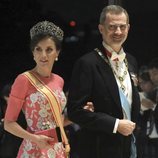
{"points": [[114, 55]]}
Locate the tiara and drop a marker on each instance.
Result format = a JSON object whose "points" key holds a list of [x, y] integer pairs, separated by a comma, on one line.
{"points": [[47, 27]]}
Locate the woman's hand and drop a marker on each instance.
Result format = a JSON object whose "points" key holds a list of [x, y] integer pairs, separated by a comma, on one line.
{"points": [[43, 142]]}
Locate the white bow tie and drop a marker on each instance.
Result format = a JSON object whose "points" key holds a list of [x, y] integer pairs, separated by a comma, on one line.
{"points": [[119, 57]]}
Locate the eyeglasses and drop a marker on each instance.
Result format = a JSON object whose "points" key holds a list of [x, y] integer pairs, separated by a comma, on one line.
{"points": [[114, 27]]}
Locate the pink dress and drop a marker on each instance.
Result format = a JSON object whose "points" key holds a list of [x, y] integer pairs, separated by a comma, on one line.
{"points": [[37, 113]]}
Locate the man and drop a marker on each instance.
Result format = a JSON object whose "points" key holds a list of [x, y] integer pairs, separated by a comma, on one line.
{"points": [[102, 77], [153, 72]]}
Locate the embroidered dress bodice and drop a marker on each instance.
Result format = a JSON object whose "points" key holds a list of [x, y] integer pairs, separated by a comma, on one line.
{"points": [[37, 112]]}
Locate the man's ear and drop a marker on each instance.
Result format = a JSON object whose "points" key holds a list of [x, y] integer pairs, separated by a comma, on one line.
{"points": [[100, 27], [128, 26]]}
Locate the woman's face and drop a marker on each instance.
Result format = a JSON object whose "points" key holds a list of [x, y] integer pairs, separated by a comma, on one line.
{"points": [[154, 75], [146, 86], [45, 53]]}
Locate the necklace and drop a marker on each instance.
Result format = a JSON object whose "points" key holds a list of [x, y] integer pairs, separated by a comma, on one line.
{"points": [[120, 77]]}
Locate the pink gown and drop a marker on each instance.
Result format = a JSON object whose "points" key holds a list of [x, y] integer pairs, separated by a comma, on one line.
{"points": [[37, 113]]}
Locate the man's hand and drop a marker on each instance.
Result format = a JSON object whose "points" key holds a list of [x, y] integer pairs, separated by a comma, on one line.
{"points": [[89, 106], [126, 127]]}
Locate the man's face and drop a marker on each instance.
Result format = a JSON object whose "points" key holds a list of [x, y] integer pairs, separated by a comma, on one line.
{"points": [[114, 30], [154, 75]]}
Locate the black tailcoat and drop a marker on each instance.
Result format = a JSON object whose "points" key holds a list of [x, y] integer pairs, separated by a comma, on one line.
{"points": [[93, 80]]}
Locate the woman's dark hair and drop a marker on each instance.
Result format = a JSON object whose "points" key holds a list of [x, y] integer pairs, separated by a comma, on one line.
{"points": [[36, 39], [144, 75]]}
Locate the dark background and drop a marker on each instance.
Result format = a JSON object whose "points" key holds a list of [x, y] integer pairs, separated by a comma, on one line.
{"points": [[18, 16]]}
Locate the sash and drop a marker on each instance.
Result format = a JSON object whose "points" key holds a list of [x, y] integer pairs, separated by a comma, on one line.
{"points": [[126, 107], [55, 107]]}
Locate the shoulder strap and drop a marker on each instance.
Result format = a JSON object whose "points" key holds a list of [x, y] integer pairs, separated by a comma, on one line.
{"points": [[47, 92]]}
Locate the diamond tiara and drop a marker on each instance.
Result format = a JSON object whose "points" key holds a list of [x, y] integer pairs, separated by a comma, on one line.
{"points": [[47, 27]]}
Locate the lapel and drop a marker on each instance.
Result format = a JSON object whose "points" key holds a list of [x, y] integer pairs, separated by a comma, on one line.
{"points": [[135, 101], [109, 78]]}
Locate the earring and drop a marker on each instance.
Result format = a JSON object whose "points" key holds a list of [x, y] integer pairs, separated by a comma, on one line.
{"points": [[56, 59]]}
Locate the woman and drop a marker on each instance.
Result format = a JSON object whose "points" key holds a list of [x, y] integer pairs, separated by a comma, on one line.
{"points": [[147, 89], [148, 136], [46, 40]]}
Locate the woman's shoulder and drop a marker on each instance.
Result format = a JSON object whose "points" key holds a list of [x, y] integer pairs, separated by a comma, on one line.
{"points": [[58, 78], [21, 78], [21, 81], [21, 84]]}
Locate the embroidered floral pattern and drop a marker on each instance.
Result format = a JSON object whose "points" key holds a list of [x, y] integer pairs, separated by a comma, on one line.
{"points": [[39, 117]]}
